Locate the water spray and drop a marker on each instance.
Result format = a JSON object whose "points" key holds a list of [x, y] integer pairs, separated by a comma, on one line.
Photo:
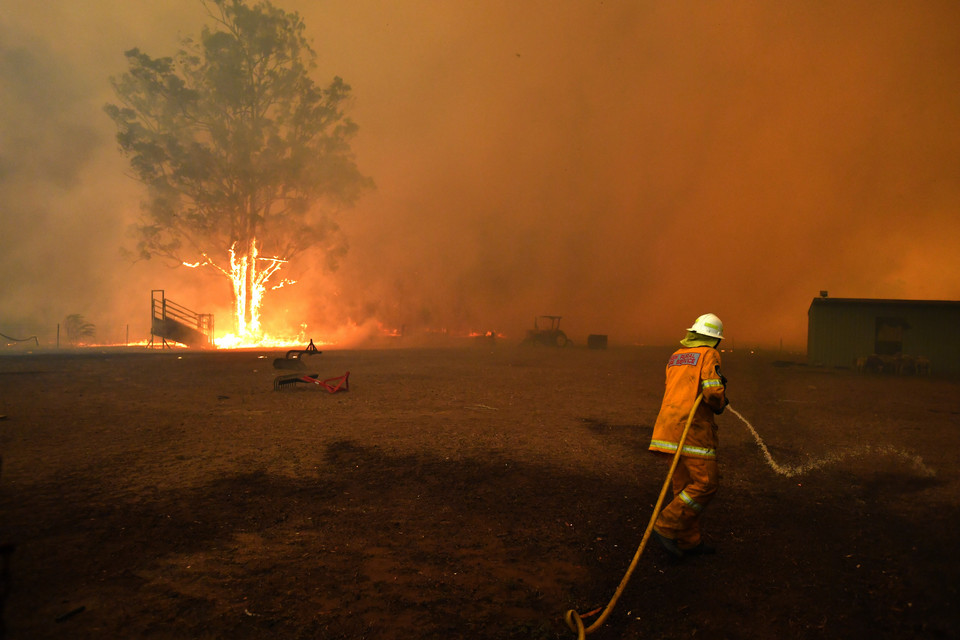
{"points": [[790, 471], [574, 620]]}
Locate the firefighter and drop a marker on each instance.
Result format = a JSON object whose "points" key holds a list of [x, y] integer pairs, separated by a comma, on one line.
{"points": [[691, 370]]}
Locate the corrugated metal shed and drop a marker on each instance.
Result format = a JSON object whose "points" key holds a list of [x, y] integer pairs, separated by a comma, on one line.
{"points": [[840, 330]]}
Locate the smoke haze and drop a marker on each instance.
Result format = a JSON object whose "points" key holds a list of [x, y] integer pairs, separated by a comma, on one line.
{"points": [[627, 165]]}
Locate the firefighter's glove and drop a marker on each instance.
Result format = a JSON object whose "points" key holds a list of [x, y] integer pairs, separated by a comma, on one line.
{"points": [[726, 401]]}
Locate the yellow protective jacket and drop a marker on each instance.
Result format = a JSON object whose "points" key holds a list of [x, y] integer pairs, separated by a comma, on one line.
{"points": [[690, 371]]}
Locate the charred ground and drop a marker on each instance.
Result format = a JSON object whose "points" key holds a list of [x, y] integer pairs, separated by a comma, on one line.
{"points": [[462, 493]]}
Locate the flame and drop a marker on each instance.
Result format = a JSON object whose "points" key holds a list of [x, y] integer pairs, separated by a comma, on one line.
{"points": [[239, 268], [248, 275], [233, 341], [485, 334], [349, 334]]}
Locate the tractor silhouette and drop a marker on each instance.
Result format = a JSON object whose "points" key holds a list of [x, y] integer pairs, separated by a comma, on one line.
{"points": [[549, 335]]}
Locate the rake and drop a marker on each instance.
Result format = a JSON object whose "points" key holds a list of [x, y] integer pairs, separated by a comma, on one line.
{"points": [[332, 385]]}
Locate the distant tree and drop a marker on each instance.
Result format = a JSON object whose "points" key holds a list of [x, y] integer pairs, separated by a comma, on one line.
{"points": [[246, 160], [78, 329]]}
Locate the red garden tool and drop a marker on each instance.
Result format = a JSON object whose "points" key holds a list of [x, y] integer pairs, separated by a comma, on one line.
{"points": [[332, 385]]}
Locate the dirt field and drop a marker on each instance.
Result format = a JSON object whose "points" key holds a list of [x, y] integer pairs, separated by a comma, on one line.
{"points": [[476, 492]]}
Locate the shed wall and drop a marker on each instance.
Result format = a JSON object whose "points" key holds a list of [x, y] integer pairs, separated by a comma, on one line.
{"points": [[841, 330]]}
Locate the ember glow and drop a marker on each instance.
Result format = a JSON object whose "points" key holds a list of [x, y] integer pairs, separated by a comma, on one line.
{"points": [[233, 341], [248, 275]]}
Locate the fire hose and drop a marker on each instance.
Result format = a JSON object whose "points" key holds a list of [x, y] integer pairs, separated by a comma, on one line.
{"points": [[34, 338], [573, 618]]}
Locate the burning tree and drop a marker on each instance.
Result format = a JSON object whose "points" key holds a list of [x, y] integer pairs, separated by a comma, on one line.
{"points": [[246, 160]]}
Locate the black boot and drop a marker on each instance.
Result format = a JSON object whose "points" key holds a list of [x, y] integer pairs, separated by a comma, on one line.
{"points": [[669, 544], [702, 549]]}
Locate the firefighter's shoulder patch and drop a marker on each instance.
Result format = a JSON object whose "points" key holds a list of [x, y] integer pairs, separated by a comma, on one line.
{"points": [[690, 358]]}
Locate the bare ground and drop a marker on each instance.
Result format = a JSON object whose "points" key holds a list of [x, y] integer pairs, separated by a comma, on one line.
{"points": [[476, 492]]}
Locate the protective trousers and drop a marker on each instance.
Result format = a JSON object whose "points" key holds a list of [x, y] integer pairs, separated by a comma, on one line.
{"points": [[694, 482]]}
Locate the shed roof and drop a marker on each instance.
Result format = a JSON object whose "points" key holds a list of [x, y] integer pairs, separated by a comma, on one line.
{"points": [[947, 304]]}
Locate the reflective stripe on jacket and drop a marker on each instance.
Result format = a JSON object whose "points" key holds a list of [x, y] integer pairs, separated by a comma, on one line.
{"points": [[689, 372]]}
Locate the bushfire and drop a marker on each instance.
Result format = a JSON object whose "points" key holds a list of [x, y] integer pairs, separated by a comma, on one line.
{"points": [[248, 274]]}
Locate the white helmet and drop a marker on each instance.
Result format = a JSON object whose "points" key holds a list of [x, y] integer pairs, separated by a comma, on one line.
{"points": [[708, 325]]}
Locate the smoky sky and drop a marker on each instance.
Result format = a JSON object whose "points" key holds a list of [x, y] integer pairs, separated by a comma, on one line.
{"points": [[627, 165]]}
